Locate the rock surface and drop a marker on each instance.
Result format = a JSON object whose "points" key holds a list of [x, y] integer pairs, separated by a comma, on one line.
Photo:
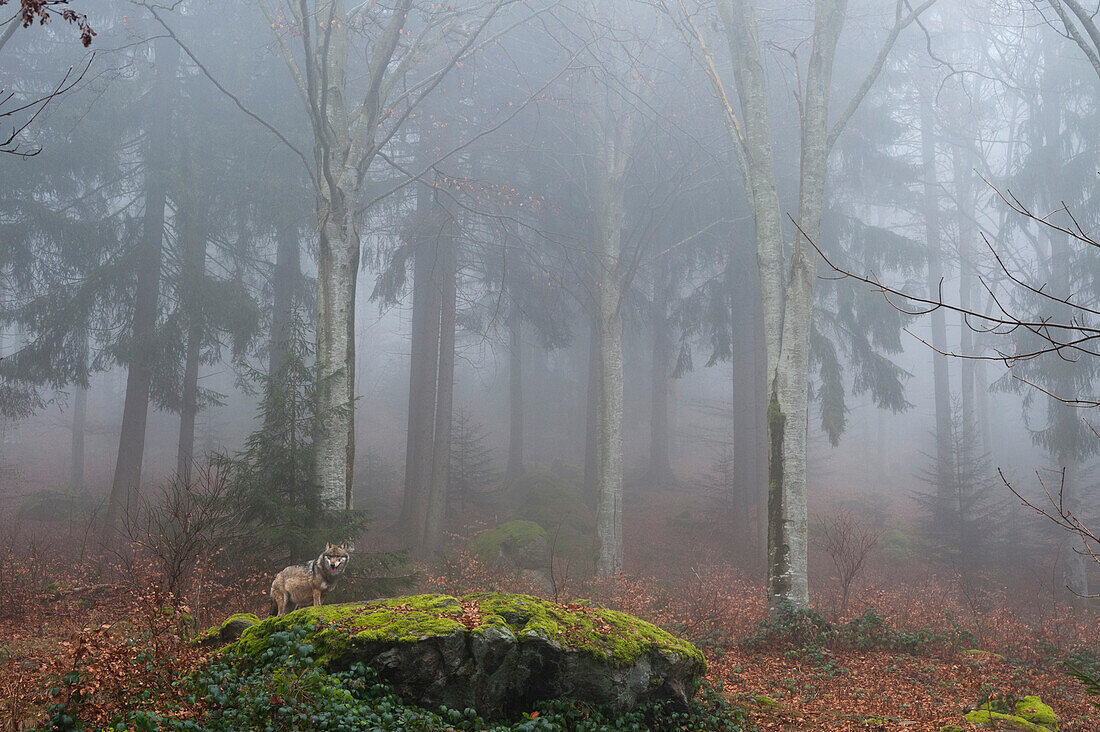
{"points": [[497, 653]]}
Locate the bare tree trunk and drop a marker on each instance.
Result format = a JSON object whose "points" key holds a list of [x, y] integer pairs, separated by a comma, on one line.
{"points": [[514, 468], [609, 417], [135, 410], [940, 376], [444, 406], [337, 270], [76, 456], [423, 371]]}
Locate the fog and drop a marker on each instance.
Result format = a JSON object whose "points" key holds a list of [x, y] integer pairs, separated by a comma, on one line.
{"points": [[569, 240]]}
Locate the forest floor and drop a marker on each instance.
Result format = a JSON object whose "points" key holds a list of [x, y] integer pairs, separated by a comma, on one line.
{"points": [[918, 648]]}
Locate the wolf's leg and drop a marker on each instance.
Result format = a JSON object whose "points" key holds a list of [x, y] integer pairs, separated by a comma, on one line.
{"points": [[281, 600], [316, 597]]}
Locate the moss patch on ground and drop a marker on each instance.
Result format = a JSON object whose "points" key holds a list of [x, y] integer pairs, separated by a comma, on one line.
{"points": [[1032, 715], [487, 546], [214, 632], [615, 637]]}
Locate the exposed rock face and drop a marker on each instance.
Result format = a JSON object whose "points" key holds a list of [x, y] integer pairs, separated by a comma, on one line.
{"points": [[498, 653]]}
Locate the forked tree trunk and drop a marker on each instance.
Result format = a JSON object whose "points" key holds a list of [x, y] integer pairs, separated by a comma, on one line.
{"points": [[940, 377], [444, 406], [139, 374]]}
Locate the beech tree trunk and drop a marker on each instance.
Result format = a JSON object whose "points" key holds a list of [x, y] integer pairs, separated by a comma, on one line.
{"points": [[940, 377], [748, 387], [135, 410], [610, 191]]}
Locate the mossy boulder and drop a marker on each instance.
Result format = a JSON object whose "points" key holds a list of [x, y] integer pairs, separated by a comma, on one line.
{"points": [[1031, 715], [516, 544], [496, 653], [230, 629]]}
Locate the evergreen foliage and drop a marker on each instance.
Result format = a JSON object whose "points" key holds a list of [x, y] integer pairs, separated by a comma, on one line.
{"points": [[273, 477], [471, 475], [964, 530]]}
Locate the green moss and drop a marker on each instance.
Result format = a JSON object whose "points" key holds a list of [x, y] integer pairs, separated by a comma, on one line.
{"points": [[214, 632], [606, 634], [977, 653], [1032, 715], [765, 701], [487, 546], [951, 728]]}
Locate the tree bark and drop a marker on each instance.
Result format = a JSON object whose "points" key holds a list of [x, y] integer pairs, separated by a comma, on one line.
{"points": [[940, 377], [514, 468], [609, 187], [444, 406], [423, 372], [135, 410]]}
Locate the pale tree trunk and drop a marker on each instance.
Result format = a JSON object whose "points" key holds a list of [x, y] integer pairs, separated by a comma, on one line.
{"points": [[444, 406], [135, 410], [193, 242], [334, 428], [940, 377], [609, 188], [514, 468], [787, 292]]}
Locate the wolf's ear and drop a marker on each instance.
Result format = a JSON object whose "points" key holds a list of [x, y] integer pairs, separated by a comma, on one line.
{"points": [[329, 546], [343, 546]]}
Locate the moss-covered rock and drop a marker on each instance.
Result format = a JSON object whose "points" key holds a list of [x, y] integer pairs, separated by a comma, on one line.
{"points": [[1031, 715], [519, 544], [496, 653], [230, 629]]}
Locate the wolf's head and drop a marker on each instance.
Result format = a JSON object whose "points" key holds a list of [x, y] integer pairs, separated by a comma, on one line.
{"points": [[335, 558]]}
